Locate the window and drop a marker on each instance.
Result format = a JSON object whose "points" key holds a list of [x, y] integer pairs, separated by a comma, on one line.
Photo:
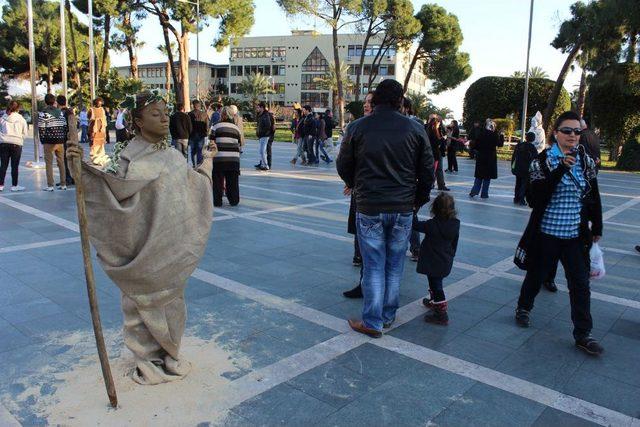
{"points": [[315, 99], [267, 69], [354, 70], [234, 87], [260, 69], [308, 82], [213, 72], [236, 52], [236, 70], [222, 72], [279, 87], [247, 70], [279, 51], [281, 70], [260, 52], [267, 52], [253, 52], [315, 62]]}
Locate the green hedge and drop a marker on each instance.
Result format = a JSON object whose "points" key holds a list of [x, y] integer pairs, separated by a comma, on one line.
{"points": [[615, 103], [493, 97]]}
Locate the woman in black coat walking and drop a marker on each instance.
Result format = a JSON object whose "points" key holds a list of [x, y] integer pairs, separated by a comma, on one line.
{"points": [[486, 159]]}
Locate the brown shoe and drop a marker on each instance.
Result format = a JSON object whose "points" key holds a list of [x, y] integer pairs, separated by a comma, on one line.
{"points": [[358, 326]]}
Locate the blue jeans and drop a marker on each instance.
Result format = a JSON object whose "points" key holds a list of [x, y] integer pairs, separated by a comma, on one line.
{"points": [[84, 137], [263, 151], [196, 145], [383, 242], [484, 183]]}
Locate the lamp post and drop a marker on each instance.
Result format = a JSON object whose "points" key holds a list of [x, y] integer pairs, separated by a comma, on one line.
{"points": [[36, 164], [270, 97], [525, 98], [197, 4], [63, 49], [92, 65]]}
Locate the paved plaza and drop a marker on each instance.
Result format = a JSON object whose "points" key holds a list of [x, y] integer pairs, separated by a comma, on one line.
{"points": [[267, 331]]}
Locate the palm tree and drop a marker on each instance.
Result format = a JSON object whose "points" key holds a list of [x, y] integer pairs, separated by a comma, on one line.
{"points": [[329, 81], [419, 102], [538, 73], [255, 85], [534, 73]]}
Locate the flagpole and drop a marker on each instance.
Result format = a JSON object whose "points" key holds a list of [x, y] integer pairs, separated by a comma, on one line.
{"points": [[63, 49], [36, 164], [525, 98], [92, 65]]}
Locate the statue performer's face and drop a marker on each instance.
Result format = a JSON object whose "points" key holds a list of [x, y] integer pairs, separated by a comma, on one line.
{"points": [[154, 121]]}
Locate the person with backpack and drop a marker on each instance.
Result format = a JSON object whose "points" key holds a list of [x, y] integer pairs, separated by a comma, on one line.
{"points": [[13, 129], [437, 251], [199, 131], [52, 129], [524, 153]]}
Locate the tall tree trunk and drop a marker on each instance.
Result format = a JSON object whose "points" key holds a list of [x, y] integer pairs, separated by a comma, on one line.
{"points": [[555, 93], [167, 43], [183, 55], [106, 44], [74, 52], [377, 60], [361, 64], [336, 61], [130, 42], [167, 80], [582, 92], [414, 61]]}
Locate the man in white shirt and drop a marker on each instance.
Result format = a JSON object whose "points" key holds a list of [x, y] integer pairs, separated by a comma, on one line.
{"points": [[121, 126]]}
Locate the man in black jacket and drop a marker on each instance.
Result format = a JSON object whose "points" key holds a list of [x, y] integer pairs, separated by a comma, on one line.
{"points": [[180, 128], [385, 158], [263, 132], [309, 133], [565, 221]]}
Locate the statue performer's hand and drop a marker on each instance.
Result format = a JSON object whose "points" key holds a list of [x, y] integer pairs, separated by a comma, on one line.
{"points": [[74, 152], [210, 151]]}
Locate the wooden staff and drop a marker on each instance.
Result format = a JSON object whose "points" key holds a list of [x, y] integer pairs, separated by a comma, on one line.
{"points": [[91, 284]]}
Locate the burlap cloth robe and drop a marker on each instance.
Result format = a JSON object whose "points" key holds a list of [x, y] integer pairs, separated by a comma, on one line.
{"points": [[149, 225]]}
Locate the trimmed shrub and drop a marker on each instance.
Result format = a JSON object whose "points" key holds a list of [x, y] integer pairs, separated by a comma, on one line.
{"points": [[502, 97], [630, 157], [615, 103], [506, 126]]}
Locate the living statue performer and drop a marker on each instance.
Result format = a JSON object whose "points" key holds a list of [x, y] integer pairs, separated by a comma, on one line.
{"points": [[149, 221]]}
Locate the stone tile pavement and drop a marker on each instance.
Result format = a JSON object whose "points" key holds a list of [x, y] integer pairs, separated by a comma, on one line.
{"points": [[267, 295]]}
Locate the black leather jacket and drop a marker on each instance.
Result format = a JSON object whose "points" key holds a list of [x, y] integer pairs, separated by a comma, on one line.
{"points": [[386, 159]]}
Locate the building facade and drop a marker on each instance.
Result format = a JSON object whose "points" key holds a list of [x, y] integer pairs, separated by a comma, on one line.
{"points": [[292, 63], [213, 77]]}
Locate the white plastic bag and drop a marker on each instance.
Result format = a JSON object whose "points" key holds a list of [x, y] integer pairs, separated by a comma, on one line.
{"points": [[597, 262]]}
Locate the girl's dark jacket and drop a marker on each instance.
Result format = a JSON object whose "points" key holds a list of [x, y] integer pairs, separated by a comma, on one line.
{"points": [[542, 183], [438, 248]]}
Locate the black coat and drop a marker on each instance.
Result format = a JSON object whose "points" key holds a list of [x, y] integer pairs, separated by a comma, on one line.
{"points": [[438, 248], [386, 159], [524, 153], [486, 155]]}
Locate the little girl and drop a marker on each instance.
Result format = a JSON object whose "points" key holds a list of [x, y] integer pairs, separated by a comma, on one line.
{"points": [[436, 254]]}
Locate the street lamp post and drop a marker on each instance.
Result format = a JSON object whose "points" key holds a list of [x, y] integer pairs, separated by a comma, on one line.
{"points": [[525, 98], [63, 49], [197, 4], [36, 164]]}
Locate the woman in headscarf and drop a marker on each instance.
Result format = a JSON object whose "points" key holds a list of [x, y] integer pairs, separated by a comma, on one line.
{"points": [[150, 221], [486, 159]]}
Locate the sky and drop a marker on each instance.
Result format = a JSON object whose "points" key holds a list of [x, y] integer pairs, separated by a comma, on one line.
{"points": [[495, 35]]}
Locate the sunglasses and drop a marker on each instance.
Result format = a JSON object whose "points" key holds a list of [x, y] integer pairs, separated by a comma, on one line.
{"points": [[569, 131]]}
